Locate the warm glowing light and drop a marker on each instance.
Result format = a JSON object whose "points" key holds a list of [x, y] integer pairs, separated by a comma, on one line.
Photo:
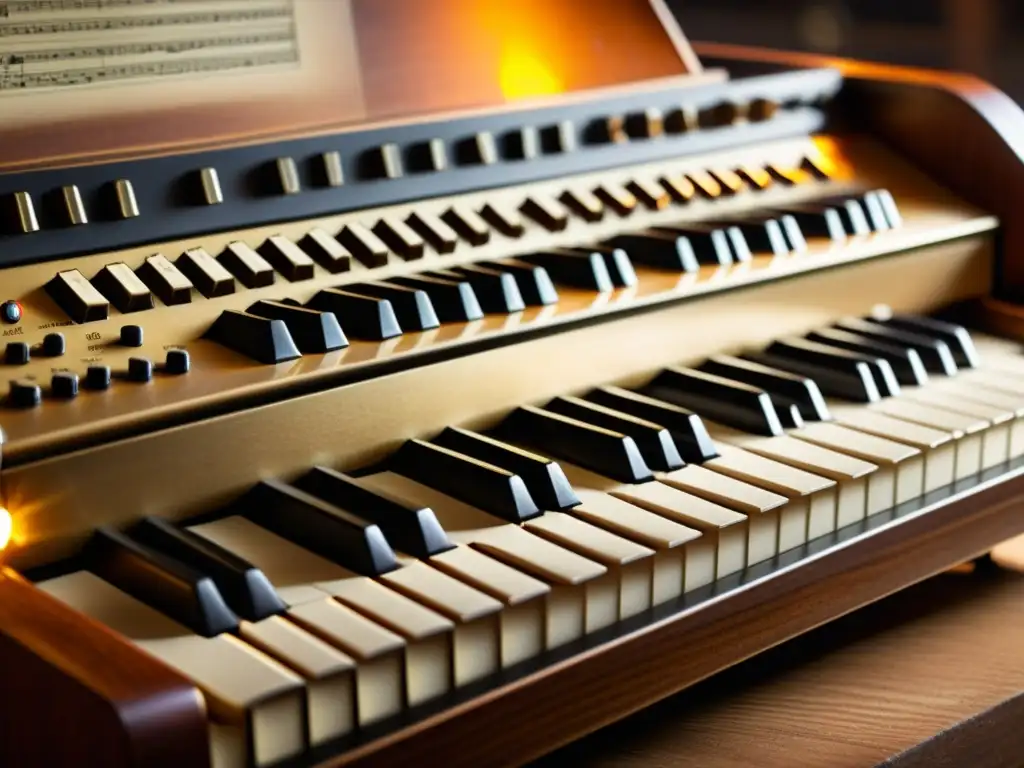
{"points": [[5, 528], [524, 74]]}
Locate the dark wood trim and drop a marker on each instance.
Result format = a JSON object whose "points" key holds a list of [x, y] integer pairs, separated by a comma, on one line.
{"points": [[511, 724], [77, 694]]}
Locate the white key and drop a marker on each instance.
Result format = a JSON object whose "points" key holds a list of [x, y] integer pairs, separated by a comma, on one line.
{"points": [[850, 474], [899, 466], [667, 538], [995, 442], [989, 393], [968, 431], [258, 703], [938, 446], [817, 494], [567, 573], [301, 577]]}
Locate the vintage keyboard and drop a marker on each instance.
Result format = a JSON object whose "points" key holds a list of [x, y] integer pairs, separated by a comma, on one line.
{"points": [[467, 433]]}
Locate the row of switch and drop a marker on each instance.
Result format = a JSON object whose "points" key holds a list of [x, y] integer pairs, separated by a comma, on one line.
{"points": [[65, 385], [55, 345], [271, 332], [173, 282]]}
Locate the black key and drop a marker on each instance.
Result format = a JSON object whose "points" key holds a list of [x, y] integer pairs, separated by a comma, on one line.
{"points": [[313, 331], [578, 268], [338, 535], [783, 387], [244, 586], [600, 450], [836, 372], [935, 353], [766, 236], [362, 317], [732, 403], [412, 306], [454, 300], [659, 249], [690, 435], [620, 267], [872, 205], [654, 441], [956, 336], [441, 237], [714, 246], [819, 222], [534, 282], [479, 484], [794, 235], [410, 528], [855, 221], [905, 362], [173, 588], [881, 371], [258, 338], [496, 290], [544, 478]]}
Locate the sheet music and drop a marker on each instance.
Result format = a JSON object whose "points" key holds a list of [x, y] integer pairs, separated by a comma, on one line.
{"points": [[69, 44]]}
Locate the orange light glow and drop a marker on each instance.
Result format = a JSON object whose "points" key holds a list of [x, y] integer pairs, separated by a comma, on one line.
{"points": [[524, 74], [5, 528]]}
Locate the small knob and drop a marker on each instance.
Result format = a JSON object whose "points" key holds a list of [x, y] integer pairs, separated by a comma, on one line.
{"points": [[54, 345], [97, 377], [17, 353], [177, 362], [25, 394], [64, 385], [10, 312], [131, 335], [140, 369]]}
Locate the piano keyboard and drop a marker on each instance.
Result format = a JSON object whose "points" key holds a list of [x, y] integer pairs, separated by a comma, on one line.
{"points": [[310, 610]]}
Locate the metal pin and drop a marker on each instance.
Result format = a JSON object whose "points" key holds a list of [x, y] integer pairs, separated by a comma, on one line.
{"points": [[289, 176], [126, 199], [211, 186], [26, 212], [74, 205]]}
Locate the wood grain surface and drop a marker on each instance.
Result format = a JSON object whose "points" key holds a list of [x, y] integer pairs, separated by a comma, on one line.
{"points": [[929, 677]]}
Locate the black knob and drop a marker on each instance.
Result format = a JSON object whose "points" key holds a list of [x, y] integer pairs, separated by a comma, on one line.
{"points": [[131, 335], [140, 369], [64, 385], [17, 353], [10, 312], [25, 394], [177, 362], [97, 377], [54, 345]]}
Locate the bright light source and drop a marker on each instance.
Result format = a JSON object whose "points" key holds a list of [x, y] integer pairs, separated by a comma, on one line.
{"points": [[5, 528]]}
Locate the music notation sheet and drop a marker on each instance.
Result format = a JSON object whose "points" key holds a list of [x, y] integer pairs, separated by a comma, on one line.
{"points": [[73, 43]]}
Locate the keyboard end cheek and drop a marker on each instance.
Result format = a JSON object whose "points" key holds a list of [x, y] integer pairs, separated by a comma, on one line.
{"points": [[117, 704]]}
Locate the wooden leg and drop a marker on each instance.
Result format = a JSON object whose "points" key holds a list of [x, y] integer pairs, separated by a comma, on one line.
{"points": [[77, 694]]}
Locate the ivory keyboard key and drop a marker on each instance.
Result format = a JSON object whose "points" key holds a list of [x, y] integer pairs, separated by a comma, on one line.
{"points": [[387, 627], [478, 483], [818, 493], [669, 540], [978, 392], [630, 566], [258, 700], [476, 642], [329, 674], [524, 597], [246, 589], [568, 573], [600, 450], [850, 474], [938, 446], [544, 478], [766, 511], [411, 528], [899, 466], [686, 427], [186, 595], [995, 444], [967, 430]]}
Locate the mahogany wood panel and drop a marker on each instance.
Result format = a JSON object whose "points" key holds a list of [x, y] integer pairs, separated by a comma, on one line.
{"points": [[959, 129], [930, 677], [77, 694], [563, 702]]}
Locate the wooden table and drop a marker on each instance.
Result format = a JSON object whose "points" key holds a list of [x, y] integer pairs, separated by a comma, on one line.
{"points": [[930, 678]]}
